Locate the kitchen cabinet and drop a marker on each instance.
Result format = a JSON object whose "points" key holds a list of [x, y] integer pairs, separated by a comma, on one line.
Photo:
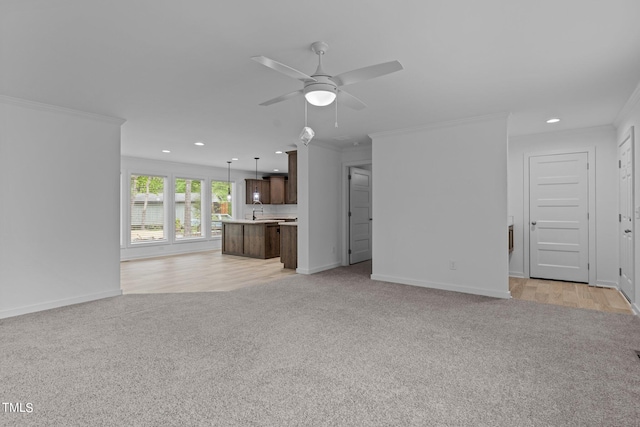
{"points": [[264, 188], [254, 239], [232, 239], [276, 190], [292, 182], [289, 244]]}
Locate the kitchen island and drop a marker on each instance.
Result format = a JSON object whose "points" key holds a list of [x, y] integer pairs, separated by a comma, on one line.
{"points": [[254, 239]]}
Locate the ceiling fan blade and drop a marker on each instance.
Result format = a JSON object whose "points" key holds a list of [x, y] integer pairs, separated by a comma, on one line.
{"points": [[284, 69], [350, 100], [366, 73], [282, 98]]}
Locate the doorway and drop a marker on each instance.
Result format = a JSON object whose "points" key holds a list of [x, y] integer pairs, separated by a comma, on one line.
{"points": [[560, 216], [625, 217], [360, 227]]}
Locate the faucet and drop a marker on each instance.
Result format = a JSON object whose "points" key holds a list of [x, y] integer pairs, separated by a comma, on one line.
{"points": [[254, 210]]}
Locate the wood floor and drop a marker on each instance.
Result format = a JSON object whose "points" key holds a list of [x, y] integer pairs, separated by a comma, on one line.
{"points": [[569, 295], [198, 272], [211, 271]]}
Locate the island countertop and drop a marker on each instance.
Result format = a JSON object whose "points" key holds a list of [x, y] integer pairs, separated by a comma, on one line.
{"points": [[250, 221]]}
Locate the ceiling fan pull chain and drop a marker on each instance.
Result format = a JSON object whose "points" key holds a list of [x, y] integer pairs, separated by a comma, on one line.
{"points": [[336, 111], [305, 113]]}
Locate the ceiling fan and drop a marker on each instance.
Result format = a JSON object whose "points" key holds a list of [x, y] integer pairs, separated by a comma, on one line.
{"points": [[321, 88]]}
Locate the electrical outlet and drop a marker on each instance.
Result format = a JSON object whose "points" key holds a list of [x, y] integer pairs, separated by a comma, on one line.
{"points": [[452, 265]]}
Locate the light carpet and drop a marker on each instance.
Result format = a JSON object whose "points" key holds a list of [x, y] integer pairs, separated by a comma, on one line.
{"points": [[331, 349]]}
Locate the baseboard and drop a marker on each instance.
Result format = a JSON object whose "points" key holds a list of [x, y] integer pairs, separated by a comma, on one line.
{"points": [[12, 312], [607, 284], [636, 309], [443, 286], [319, 269], [148, 251], [518, 274]]}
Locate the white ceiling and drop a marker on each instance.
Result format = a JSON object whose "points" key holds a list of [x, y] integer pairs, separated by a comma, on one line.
{"points": [[180, 71]]}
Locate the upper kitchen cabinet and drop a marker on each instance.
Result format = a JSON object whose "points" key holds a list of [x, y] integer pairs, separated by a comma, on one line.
{"points": [[292, 182], [271, 189], [277, 189], [276, 184], [262, 186]]}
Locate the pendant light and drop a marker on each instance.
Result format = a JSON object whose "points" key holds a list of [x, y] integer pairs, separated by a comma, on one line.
{"points": [[228, 180], [256, 193]]}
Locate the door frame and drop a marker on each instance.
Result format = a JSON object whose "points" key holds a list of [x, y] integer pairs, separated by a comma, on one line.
{"points": [[591, 178], [345, 205], [629, 135]]}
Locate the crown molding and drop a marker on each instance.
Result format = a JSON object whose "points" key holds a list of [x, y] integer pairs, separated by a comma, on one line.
{"points": [[573, 131], [359, 147], [9, 100], [440, 125], [323, 144], [628, 106]]}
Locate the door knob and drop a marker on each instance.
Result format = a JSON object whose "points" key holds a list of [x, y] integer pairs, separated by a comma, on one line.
{"points": [[534, 222], [627, 231]]}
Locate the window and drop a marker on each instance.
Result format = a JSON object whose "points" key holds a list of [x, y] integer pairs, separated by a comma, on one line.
{"points": [[220, 205], [188, 206], [147, 208]]}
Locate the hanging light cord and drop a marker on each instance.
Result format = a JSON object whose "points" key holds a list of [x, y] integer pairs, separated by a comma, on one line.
{"points": [[228, 180]]}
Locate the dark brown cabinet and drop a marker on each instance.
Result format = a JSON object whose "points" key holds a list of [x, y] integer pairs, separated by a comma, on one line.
{"points": [[289, 246], [263, 187], [232, 239], [272, 241], [276, 190], [292, 182], [254, 240]]}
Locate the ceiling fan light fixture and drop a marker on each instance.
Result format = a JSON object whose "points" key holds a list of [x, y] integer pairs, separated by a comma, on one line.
{"points": [[320, 94]]}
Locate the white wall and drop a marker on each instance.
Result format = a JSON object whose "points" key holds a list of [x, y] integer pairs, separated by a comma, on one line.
{"points": [[440, 195], [59, 171], [319, 207], [630, 117], [602, 141]]}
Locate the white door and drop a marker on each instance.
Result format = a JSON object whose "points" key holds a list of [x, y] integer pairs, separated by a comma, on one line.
{"points": [[625, 199], [558, 211], [359, 215]]}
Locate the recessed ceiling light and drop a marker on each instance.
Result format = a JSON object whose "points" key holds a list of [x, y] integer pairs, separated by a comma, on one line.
{"points": [[234, 158], [166, 151], [199, 144], [553, 120], [276, 170], [278, 152]]}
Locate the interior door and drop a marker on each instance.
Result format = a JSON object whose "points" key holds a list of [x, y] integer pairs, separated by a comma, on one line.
{"points": [[359, 215], [558, 211], [625, 200]]}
